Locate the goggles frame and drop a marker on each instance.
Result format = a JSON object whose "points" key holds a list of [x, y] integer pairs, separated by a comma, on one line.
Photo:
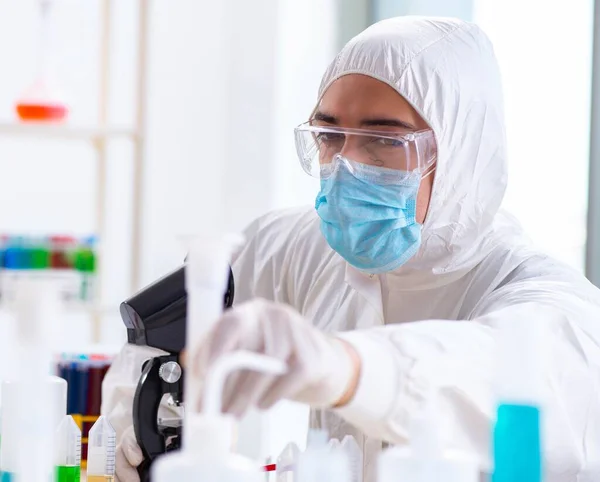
{"points": [[424, 135]]}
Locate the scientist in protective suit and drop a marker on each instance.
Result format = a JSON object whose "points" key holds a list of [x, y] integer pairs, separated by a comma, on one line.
{"points": [[392, 288]]}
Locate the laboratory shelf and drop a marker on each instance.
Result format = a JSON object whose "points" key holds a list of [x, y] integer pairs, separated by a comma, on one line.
{"points": [[66, 131], [98, 135], [76, 309]]}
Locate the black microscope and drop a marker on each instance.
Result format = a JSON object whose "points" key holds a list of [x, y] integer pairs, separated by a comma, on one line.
{"points": [[156, 317]]}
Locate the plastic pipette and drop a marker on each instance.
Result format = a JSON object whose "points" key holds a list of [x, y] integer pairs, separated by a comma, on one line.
{"points": [[68, 451], [101, 452]]}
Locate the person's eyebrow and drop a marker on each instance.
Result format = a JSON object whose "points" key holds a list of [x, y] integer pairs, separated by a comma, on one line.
{"points": [[372, 122], [384, 122], [327, 118]]}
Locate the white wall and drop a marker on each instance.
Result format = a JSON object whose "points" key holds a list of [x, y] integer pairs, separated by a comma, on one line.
{"points": [[220, 138], [439, 8], [544, 51]]}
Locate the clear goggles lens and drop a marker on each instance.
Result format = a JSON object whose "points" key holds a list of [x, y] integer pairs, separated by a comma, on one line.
{"points": [[319, 148]]}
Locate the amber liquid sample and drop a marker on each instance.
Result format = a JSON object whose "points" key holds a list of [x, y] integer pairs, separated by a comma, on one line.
{"points": [[100, 478]]}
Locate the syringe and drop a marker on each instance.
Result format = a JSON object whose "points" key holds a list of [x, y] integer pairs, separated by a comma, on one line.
{"points": [[68, 451], [101, 452]]}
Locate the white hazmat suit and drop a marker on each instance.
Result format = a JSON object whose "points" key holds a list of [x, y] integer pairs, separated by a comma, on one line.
{"points": [[433, 321]]}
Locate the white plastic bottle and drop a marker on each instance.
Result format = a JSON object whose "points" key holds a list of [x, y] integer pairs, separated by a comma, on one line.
{"points": [[207, 452], [34, 403], [523, 350], [54, 393], [425, 460]]}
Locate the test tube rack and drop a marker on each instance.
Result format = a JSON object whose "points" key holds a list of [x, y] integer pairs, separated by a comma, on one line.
{"points": [[84, 375], [69, 261]]}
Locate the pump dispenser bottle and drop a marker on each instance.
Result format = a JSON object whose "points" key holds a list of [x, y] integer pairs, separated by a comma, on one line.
{"points": [[207, 454], [208, 436]]}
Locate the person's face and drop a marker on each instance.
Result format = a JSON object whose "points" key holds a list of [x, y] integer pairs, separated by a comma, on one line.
{"points": [[361, 102]]}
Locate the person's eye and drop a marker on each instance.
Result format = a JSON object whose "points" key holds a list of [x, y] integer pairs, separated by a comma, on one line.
{"points": [[387, 142], [330, 137]]}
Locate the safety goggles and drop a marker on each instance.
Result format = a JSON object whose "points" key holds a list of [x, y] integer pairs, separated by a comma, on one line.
{"points": [[320, 147]]}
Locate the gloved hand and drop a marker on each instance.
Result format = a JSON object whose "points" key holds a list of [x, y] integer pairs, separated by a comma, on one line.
{"points": [[128, 457], [322, 370]]}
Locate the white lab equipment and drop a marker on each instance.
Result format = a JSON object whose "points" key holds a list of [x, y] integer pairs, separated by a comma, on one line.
{"points": [[207, 451], [55, 396], [321, 462], [34, 403], [286, 461], [101, 452], [425, 459], [67, 450]]}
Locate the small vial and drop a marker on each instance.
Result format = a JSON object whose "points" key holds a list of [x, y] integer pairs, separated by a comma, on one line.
{"points": [[85, 264], [101, 452], [355, 456], [68, 451], [286, 461]]}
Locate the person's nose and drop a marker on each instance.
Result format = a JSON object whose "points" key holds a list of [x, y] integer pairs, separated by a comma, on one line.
{"points": [[353, 149]]}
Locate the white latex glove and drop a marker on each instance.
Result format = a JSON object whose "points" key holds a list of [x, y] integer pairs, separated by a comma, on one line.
{"points": [[128, 457], [321, 368]]}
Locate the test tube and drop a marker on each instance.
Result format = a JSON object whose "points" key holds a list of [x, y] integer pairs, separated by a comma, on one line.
{"points": [[68, 451], [85, 263], [101, 452], [286, 461], [355, 454]]}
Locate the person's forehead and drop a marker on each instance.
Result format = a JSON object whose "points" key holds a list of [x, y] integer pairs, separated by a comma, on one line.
{"points": [[357, 96], [360, 87]]}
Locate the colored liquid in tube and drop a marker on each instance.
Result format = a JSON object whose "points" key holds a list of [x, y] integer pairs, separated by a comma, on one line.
{"points": [[101, 452], [68, 474], [68, 451]]}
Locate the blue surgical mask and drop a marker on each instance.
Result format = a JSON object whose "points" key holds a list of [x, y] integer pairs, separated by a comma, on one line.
{"points": [[368, 215]]}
